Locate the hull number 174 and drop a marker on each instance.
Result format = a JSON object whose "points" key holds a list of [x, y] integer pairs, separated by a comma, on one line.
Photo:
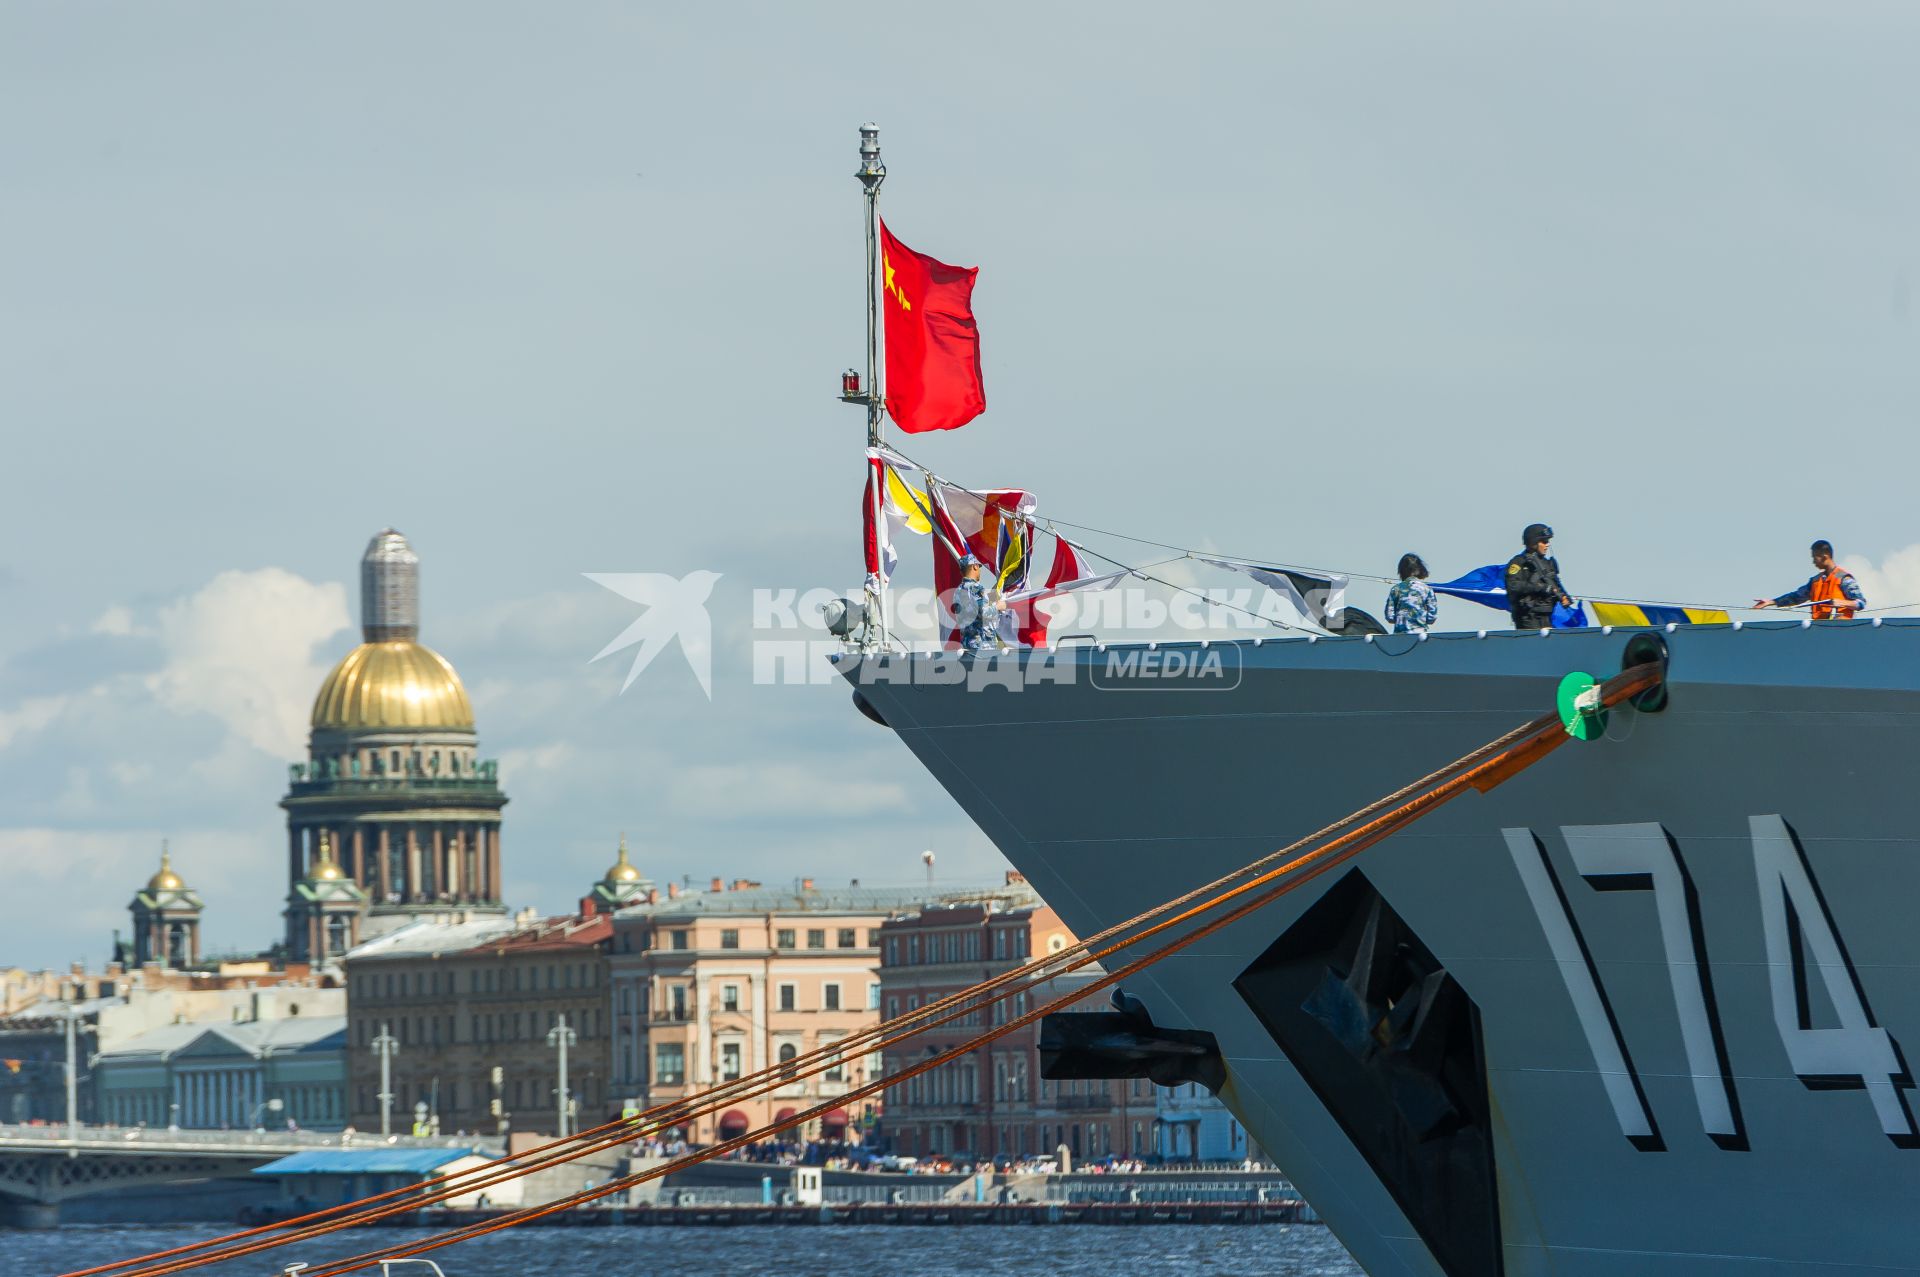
{"points": [[1802, 945]]}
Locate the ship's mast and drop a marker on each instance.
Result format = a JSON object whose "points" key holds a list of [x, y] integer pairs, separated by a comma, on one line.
{"points": [[871, 173]]}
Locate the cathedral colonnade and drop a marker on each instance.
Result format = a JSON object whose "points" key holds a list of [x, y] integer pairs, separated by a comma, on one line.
{"points": [[407, 861]]}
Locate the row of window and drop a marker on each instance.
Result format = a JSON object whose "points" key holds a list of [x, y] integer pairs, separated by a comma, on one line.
{"points": [[445, 1095], [670, 1061], [517, 978], [498, 1026], [373, 763], [786, 998], [955, 1082], [783, 938], [1083, 1139], [306, 1104], [954, 946], [1003, 1010]]}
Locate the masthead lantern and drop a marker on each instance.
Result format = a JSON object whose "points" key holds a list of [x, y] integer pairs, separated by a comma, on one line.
{"points": [[871, 172]]}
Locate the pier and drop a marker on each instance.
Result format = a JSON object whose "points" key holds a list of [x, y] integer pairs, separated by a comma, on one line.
{"points": [[853, 1213]]}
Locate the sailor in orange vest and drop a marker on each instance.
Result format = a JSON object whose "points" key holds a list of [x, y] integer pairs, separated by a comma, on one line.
{"points": [[1834, 593]]}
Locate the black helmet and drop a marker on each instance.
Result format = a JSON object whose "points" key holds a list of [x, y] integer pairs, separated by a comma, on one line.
{"points": [[1535, 532]]}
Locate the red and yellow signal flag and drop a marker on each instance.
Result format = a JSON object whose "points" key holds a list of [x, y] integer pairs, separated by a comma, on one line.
{"points": [[933, 343]]}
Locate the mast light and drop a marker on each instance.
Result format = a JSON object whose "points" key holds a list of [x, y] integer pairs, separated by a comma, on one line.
{"points": [[871, 172]]}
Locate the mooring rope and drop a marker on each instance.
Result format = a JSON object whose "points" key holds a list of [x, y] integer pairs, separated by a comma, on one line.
{"points": [[1540, 738], [934, 1014], [1481, 768]]}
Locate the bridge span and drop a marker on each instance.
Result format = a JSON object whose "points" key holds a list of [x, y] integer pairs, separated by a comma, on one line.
{"points": [[43, 1166]]}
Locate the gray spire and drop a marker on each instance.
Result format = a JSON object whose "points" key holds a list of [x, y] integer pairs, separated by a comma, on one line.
{"points": [[389, 589]]}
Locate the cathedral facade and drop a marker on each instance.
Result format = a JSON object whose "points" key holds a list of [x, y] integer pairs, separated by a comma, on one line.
{"points": [[394, 816]]}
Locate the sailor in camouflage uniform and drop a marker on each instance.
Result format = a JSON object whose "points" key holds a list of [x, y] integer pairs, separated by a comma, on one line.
{"points": [[1412, 606], [1533, 581], [976, 609]]}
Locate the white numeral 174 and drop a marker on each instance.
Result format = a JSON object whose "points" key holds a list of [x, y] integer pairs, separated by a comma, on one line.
{"points": [[1799, 934]]}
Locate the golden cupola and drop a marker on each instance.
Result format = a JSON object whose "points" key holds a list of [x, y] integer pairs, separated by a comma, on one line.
{"points": [[623, 885], [395, 685], [166, 879], [391, 682], [623, 870]]}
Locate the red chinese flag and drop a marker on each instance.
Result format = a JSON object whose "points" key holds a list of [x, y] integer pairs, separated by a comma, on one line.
{"points": [[933, 345]]}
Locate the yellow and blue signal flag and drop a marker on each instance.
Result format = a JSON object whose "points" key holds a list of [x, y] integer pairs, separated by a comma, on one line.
{"points": [[1654, 614]]}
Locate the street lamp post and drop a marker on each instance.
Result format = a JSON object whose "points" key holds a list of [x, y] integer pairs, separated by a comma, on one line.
{"points": [[560, 1037], [274, 1105], [73, 1074], [386, 1047]]}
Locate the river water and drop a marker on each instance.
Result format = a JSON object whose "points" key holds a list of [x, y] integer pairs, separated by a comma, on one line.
{"points": [[976, 1250]]}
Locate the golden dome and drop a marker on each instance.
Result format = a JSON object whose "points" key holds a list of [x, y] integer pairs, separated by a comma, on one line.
{"points": [[326, 869], [623, 870], [395, 685], [166, 879]]}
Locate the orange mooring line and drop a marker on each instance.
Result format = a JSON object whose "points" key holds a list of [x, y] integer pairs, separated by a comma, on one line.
{"points": [[1483, 769], [1543, 736], [931, 1015]]}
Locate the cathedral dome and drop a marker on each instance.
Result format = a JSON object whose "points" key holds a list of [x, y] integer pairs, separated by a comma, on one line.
{"points": [[166, 879], [396, 685], [623, 870]]}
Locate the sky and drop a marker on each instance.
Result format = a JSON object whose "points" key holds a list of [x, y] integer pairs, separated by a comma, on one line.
{"points": [[559, 290]]}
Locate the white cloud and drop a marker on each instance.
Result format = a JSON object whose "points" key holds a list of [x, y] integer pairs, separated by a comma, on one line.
{"points": [[194, 737], [93, 872], [241, 649], [116, 621], [30, 716], [1893, 582], [187, 734]]}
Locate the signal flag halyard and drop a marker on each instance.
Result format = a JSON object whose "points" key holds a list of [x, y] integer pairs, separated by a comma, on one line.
{"points": [[933, 343]]}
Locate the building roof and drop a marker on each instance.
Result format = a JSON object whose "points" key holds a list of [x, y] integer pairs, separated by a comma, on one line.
{"points": [[843, 900], [431, 939], [155, 1044], [42, 1011], [566, 932], [379, 1160], [246, 1037], [287, 1033], [427, 938]]}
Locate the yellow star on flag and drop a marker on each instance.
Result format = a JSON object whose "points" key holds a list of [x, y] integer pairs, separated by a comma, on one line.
{"points": [[892, 287]]}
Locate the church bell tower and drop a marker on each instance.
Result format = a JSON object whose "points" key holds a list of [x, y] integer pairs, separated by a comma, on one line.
{"points": [[166, 919]]}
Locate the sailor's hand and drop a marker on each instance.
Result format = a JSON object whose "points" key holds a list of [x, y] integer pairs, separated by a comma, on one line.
{"points": [[1763, 603]]}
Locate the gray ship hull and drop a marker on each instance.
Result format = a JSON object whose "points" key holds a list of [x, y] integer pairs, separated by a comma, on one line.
{"points": [[1640, 1010]]}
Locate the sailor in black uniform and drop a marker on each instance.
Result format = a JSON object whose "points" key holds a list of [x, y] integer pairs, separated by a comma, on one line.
{"points": [[1533, 581]]}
